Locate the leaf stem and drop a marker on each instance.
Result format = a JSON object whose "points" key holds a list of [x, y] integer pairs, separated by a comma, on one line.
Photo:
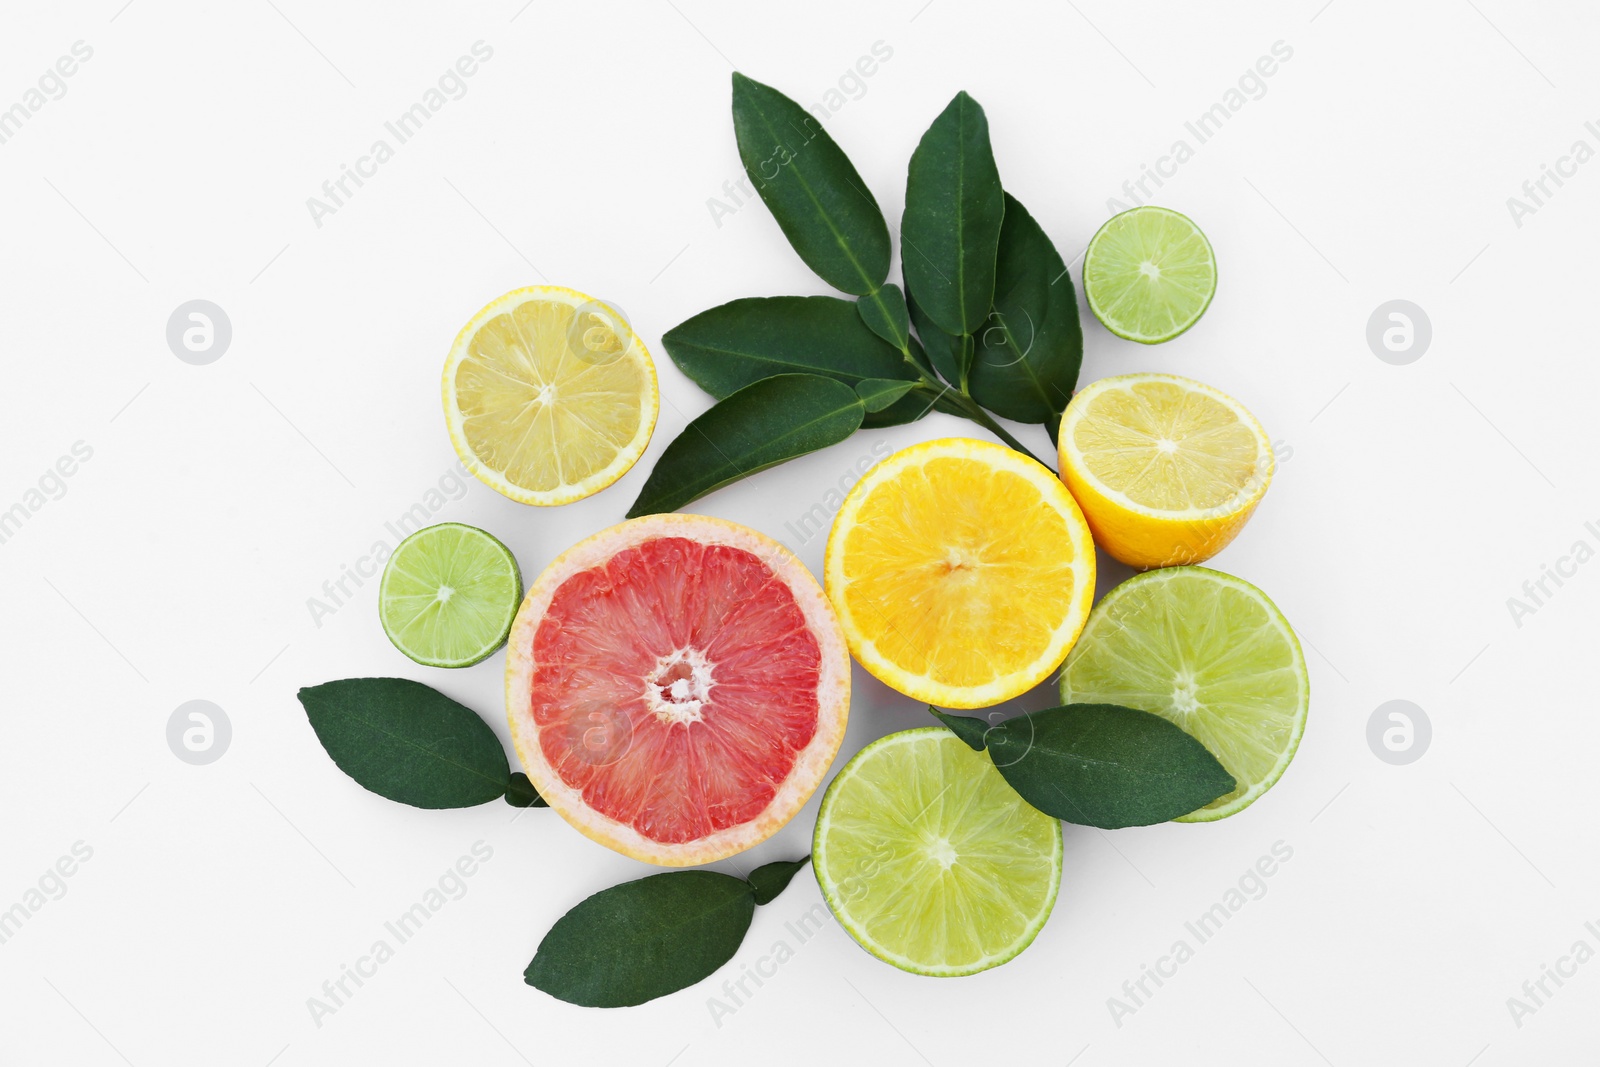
{"points": [[973, 411], [970, 409]]}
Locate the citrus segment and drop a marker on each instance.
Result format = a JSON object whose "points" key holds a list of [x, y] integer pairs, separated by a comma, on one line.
{"points": [[962, 571], [677, 685], [1208, 652], [930, 860], [549, 396], [448, 595], [1149, 274], [1166, 469]]}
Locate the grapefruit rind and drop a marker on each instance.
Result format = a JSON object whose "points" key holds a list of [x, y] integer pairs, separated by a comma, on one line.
{"points": [[811, 763]]}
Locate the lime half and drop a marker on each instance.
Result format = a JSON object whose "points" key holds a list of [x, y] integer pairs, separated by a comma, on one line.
{"points": [[1149, 274], [1209, 652], [930, 860], [449, 594]]}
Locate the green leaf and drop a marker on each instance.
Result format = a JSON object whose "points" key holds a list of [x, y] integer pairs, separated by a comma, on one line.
{"points": [[641, 940], [522, 794], [770, 879], [909, 408], [741, 342], [885, 314], [408, 742], [759, 426], [973, 731], [879, 393], [811, 188], [943, 349], [1029, 352], [918, 401], [951, 228], [1105, 765], [919, 356]]}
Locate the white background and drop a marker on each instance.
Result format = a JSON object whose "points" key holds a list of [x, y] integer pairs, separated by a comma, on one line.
{"points": [[1411, 503]]}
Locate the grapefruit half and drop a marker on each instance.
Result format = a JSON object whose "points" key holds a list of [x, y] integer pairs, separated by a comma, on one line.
{"points": [[677, 686]]}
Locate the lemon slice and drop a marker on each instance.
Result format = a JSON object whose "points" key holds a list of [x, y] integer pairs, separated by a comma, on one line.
{"points": [[549, 395], [962, 572], [930, 860], [1209, 652], [1167, 470]]}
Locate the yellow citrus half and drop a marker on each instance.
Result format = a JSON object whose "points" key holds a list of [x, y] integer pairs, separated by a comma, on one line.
{"points": [[549, 395], [962, 572], [1166, 469]]}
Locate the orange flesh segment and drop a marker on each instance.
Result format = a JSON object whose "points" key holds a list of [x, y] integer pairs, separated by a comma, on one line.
{"points": [[964, 569]]}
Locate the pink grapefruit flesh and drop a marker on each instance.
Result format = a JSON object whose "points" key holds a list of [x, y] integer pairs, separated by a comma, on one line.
{"points": [[677, 686]]}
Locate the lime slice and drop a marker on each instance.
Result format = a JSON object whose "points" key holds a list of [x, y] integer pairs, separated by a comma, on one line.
{"points": [[1209, 652], [1149, 274], [449, 594], [930, 860]]}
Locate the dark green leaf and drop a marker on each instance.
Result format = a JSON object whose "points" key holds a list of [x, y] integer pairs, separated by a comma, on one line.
{"points": [[909, 408], [919, 401], [885, 314], [973, 731], [1105, 765], [820, 202], [641, 940], [770, 879], [951, 227], [408, 742], [879, 393], [741, 342], [943, 349], [1028, 354], [521, 793], [760, 426], [919, 356]]}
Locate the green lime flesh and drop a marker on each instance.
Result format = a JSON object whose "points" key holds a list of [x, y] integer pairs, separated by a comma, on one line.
{"points": [[449, 595], [930, 860], [1208, 652], [1149, 274]]}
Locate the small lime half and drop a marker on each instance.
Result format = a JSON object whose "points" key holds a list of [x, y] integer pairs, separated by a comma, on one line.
{"points": [[1149, 274], [449, 594], [930, 860], [1206, 651]]}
